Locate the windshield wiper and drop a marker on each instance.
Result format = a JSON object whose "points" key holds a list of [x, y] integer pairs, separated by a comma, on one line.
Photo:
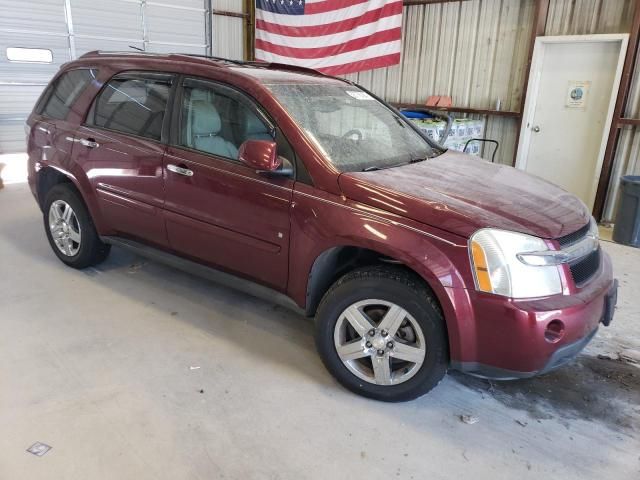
{"points": [[399, 120], [373, 168]]}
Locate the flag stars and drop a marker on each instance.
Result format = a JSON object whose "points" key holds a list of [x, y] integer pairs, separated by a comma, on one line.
{"points": [[285, 3]]}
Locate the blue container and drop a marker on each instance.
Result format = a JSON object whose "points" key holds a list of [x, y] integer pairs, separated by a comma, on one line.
{"points": [[412, 114]]}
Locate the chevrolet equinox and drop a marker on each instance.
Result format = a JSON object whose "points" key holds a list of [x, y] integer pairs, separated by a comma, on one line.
{"points": [[412, 259]]}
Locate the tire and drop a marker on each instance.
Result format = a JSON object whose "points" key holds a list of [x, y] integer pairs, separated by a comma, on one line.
{"points": [[88, 250], [370, 291]]}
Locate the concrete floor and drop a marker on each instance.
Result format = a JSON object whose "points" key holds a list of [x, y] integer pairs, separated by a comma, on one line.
{"points": [[136, 371]]}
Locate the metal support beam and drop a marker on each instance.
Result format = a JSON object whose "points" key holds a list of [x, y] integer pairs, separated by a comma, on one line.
{"points": [[224, 13], [409, 3], [145, 26], [250, 30], [208, 26], [623, 91], [538, 30], [69, 21]]}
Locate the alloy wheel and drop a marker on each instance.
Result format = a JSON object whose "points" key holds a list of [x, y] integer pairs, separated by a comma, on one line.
{"points": [[379, 342], [65, 228]]}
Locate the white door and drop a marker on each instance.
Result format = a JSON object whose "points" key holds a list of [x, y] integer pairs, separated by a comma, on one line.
{"points": [[573, 87]]}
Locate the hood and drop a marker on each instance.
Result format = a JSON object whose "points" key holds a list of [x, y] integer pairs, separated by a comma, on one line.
{"points": [[461, 194]]}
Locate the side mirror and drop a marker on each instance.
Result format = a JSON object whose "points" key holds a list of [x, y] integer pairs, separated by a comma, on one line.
{"points": [[260, 155]]}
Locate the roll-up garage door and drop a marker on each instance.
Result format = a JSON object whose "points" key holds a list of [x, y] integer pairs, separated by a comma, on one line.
{"points": [[37, 36]]}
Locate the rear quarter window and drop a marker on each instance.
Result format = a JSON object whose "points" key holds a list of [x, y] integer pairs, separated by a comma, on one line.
{"points": [[60, 95], [132, 103]]}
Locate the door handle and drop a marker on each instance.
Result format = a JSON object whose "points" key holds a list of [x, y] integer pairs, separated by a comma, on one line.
{"points": [[89, 143], [180, 170], [536, 128]]}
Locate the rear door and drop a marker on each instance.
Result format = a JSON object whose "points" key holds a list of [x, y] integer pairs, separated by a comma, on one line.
{"points": [[51, 135], [120, 148], [222, 212]]}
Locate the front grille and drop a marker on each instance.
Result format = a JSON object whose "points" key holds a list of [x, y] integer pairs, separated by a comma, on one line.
{"points": [[585, 268], [573, 237]]}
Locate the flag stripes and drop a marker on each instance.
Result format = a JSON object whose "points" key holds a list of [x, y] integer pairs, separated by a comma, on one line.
{"points": [[333, 36]]}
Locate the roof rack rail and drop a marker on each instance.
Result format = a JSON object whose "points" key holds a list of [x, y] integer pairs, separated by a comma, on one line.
{"points": [[293, 68], [247, 63], [256, 63], [210, 57]]}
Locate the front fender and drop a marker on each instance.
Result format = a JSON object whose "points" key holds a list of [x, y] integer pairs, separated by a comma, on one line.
{"points": [[321, 222]]}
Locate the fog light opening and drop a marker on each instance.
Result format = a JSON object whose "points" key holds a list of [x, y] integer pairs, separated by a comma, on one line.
{"points": [[554, 331]]}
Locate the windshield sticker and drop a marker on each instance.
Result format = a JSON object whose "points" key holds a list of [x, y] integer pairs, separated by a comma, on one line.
{"points": [[358, 95]]}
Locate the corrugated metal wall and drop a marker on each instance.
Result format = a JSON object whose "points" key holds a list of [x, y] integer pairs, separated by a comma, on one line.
{"points": [[474, 51], [40, 25], [228, 32], [626, 160], [70, 28], [580, 17]]}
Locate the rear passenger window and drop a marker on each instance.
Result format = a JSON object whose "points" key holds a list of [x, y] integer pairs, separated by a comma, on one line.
{"points": [[60, 95], [133, 104]]}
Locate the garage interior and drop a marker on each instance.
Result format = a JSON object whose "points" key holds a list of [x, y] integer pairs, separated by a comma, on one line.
{"points": [[132, 369]]}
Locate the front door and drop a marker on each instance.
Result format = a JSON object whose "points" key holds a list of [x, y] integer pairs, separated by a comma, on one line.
{"points": [[573, 86], [120, 149], [218, 210]]}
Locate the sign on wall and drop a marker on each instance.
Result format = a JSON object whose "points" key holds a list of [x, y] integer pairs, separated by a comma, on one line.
{"points": [[577, 94]]}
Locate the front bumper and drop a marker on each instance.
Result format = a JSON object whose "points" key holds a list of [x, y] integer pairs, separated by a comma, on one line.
{"points": [[509, 334]]}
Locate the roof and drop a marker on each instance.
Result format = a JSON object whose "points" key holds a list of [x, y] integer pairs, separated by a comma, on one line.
{"points": [[261, 71], [271, 75]]}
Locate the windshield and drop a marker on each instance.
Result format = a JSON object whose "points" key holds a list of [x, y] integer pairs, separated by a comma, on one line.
{"points": [[354, 130]]}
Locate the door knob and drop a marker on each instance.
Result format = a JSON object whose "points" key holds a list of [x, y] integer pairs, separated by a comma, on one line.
{"points": [[89, 143], [180, 170], [536, 129]]}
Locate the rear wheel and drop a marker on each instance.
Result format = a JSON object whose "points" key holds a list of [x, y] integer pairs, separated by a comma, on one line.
{"points": [[381, 334], [70, 230]]}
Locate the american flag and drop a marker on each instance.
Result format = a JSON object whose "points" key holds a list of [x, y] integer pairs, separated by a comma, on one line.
{"points": [[334, 36]]}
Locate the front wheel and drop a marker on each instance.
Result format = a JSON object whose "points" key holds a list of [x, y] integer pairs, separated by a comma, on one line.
{"points": [[380, 332]]}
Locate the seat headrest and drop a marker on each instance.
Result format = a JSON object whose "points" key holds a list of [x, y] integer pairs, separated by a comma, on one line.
{"points": [[205, 119], [253, 125]]}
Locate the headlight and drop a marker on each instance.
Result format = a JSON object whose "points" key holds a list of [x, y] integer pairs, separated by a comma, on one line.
{"points": [[498, 268]]}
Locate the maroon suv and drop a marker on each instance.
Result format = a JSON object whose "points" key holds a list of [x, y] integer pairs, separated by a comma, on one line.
{"points": [[412, 259]]}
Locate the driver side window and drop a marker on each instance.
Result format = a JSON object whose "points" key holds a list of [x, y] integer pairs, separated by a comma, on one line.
{"points": [[217, 120]]}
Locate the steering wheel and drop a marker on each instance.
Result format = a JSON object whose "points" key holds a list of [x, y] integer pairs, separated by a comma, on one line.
{"points": [[353, 131]]}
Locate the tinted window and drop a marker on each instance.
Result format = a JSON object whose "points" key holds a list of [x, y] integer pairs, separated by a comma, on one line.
{"points": [[217, 120], [61, 94], [133, 104]]}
